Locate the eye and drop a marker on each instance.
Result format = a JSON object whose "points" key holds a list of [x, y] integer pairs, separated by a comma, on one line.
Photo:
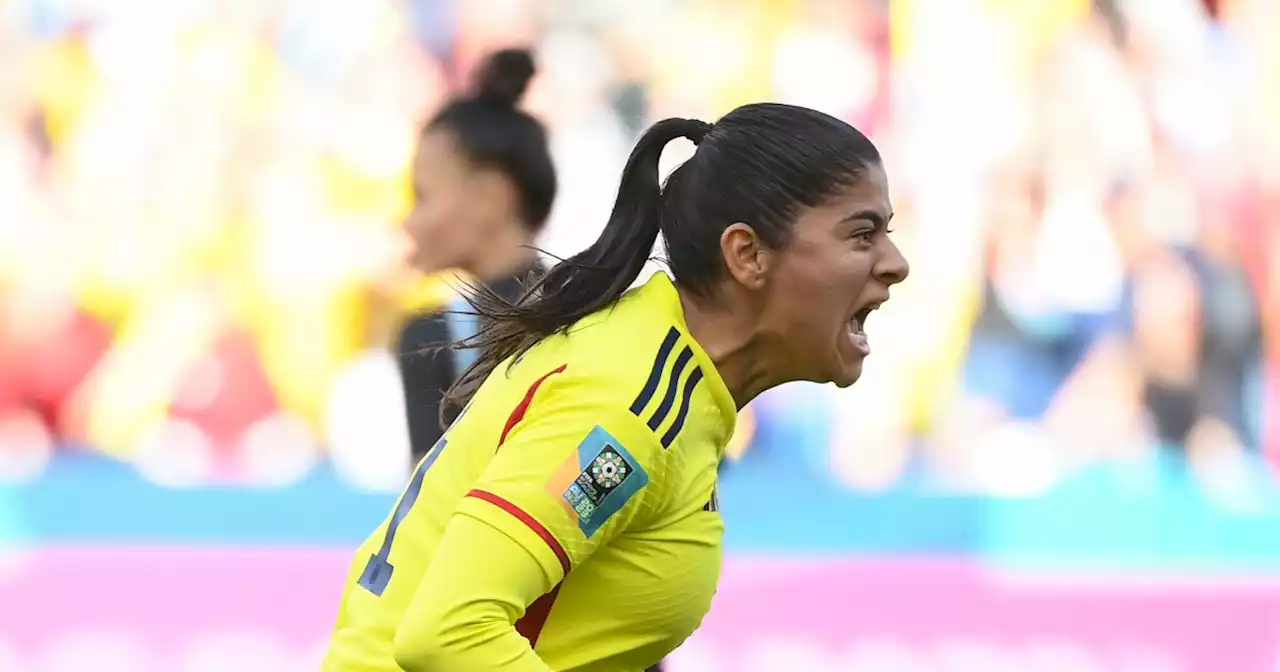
{"points": [[865, 236]]}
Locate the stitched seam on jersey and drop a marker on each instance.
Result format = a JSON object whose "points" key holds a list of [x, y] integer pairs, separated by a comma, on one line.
{"points": [[669, 397], [529, 521], [517, 414], [655, 374], [694, 378]]}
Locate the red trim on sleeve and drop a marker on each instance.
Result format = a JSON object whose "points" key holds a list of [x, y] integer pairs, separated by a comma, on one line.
{"points": [[517, 414], [528, 520], [535, 617]]}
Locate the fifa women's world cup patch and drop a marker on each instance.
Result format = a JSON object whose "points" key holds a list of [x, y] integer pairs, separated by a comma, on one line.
{"points": [[597, 480]]}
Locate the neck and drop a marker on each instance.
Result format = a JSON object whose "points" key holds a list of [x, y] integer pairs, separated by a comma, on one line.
{"points": [[742, 355], [509, 253]]}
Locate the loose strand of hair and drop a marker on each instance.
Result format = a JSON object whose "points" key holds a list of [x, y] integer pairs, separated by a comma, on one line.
{"points": [[582, 284]]}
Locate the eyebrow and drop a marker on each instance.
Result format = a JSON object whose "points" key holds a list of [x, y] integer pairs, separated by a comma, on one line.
{"points": [[876, 217]]}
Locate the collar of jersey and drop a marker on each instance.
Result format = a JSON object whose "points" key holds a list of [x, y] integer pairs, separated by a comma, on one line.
{"points": [[661, 285]]}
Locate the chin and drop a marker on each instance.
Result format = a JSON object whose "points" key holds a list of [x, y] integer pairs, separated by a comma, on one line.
{"points": [[847, 376], [846, 381]]}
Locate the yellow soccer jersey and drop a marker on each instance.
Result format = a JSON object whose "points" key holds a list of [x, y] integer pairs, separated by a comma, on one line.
{"points": [[597, 453]]}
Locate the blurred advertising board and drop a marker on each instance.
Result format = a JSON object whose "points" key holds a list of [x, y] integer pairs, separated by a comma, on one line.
{"points": [[101, 570], [193, 609]]}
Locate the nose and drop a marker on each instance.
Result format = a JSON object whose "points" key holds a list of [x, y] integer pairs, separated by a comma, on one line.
{"points": [[892, 267], [409, 223]]}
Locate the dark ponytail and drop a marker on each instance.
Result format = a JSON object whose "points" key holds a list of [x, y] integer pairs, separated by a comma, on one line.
{"points": [[586, 282]]}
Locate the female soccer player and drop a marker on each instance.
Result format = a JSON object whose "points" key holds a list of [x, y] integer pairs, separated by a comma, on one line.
{"points": [[568, 519], [483, 185]]}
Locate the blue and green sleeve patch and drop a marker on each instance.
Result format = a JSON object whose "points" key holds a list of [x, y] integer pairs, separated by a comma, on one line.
{"points": [[597, 480]]}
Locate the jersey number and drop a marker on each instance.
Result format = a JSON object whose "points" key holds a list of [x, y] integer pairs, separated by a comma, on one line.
{"points": [[377, 572]]}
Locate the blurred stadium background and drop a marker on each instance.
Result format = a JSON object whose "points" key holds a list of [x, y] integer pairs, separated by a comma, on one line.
{"points": [[1062, 457]]}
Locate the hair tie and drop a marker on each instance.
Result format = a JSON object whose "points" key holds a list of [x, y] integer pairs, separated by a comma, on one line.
{"points": [[697, 130]]}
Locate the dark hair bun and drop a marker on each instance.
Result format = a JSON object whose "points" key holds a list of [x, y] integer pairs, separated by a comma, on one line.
{"points": [[504, 76]]}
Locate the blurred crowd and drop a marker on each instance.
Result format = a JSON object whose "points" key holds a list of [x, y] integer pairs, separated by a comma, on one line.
{"points": [[201, 267]]}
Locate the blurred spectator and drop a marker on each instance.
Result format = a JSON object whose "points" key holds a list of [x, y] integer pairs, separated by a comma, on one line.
{"points": [[199, 256], [483, 189]]}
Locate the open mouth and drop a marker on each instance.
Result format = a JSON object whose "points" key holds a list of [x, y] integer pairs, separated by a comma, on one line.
{"points": [[858, 327], [858, 324]]}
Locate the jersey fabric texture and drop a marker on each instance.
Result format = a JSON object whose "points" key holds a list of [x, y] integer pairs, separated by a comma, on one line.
{"points": [[596, 452]]}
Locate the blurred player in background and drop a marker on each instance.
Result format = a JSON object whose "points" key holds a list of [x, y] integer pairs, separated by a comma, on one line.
{"points": [[568, 520], [483, 185]]}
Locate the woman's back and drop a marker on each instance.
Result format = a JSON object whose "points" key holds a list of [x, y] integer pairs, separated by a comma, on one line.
{"points": [[599, 443]]}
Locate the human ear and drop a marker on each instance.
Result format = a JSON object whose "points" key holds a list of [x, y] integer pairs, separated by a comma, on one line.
{"points": [[745, 255]]}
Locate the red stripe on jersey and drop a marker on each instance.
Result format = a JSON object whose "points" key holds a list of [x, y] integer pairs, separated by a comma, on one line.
{"points": [[535, 617], [530, 625], [527, 519], [523, 407]]}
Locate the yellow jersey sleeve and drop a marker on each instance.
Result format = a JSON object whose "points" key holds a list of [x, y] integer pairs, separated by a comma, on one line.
{"points": [[466, 610], [568, 479]]}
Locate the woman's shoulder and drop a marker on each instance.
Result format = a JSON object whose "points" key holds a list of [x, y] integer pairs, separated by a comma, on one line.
{"points": [[632, 367]]}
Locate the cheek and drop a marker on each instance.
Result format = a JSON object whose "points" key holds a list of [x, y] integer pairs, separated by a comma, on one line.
{"points": [[817, 294], [441, 222]]}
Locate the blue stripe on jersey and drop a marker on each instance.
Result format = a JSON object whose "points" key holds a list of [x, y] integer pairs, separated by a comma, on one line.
{"points": [[669, 398], [655, 374], [655, 381], [686, 398]]}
